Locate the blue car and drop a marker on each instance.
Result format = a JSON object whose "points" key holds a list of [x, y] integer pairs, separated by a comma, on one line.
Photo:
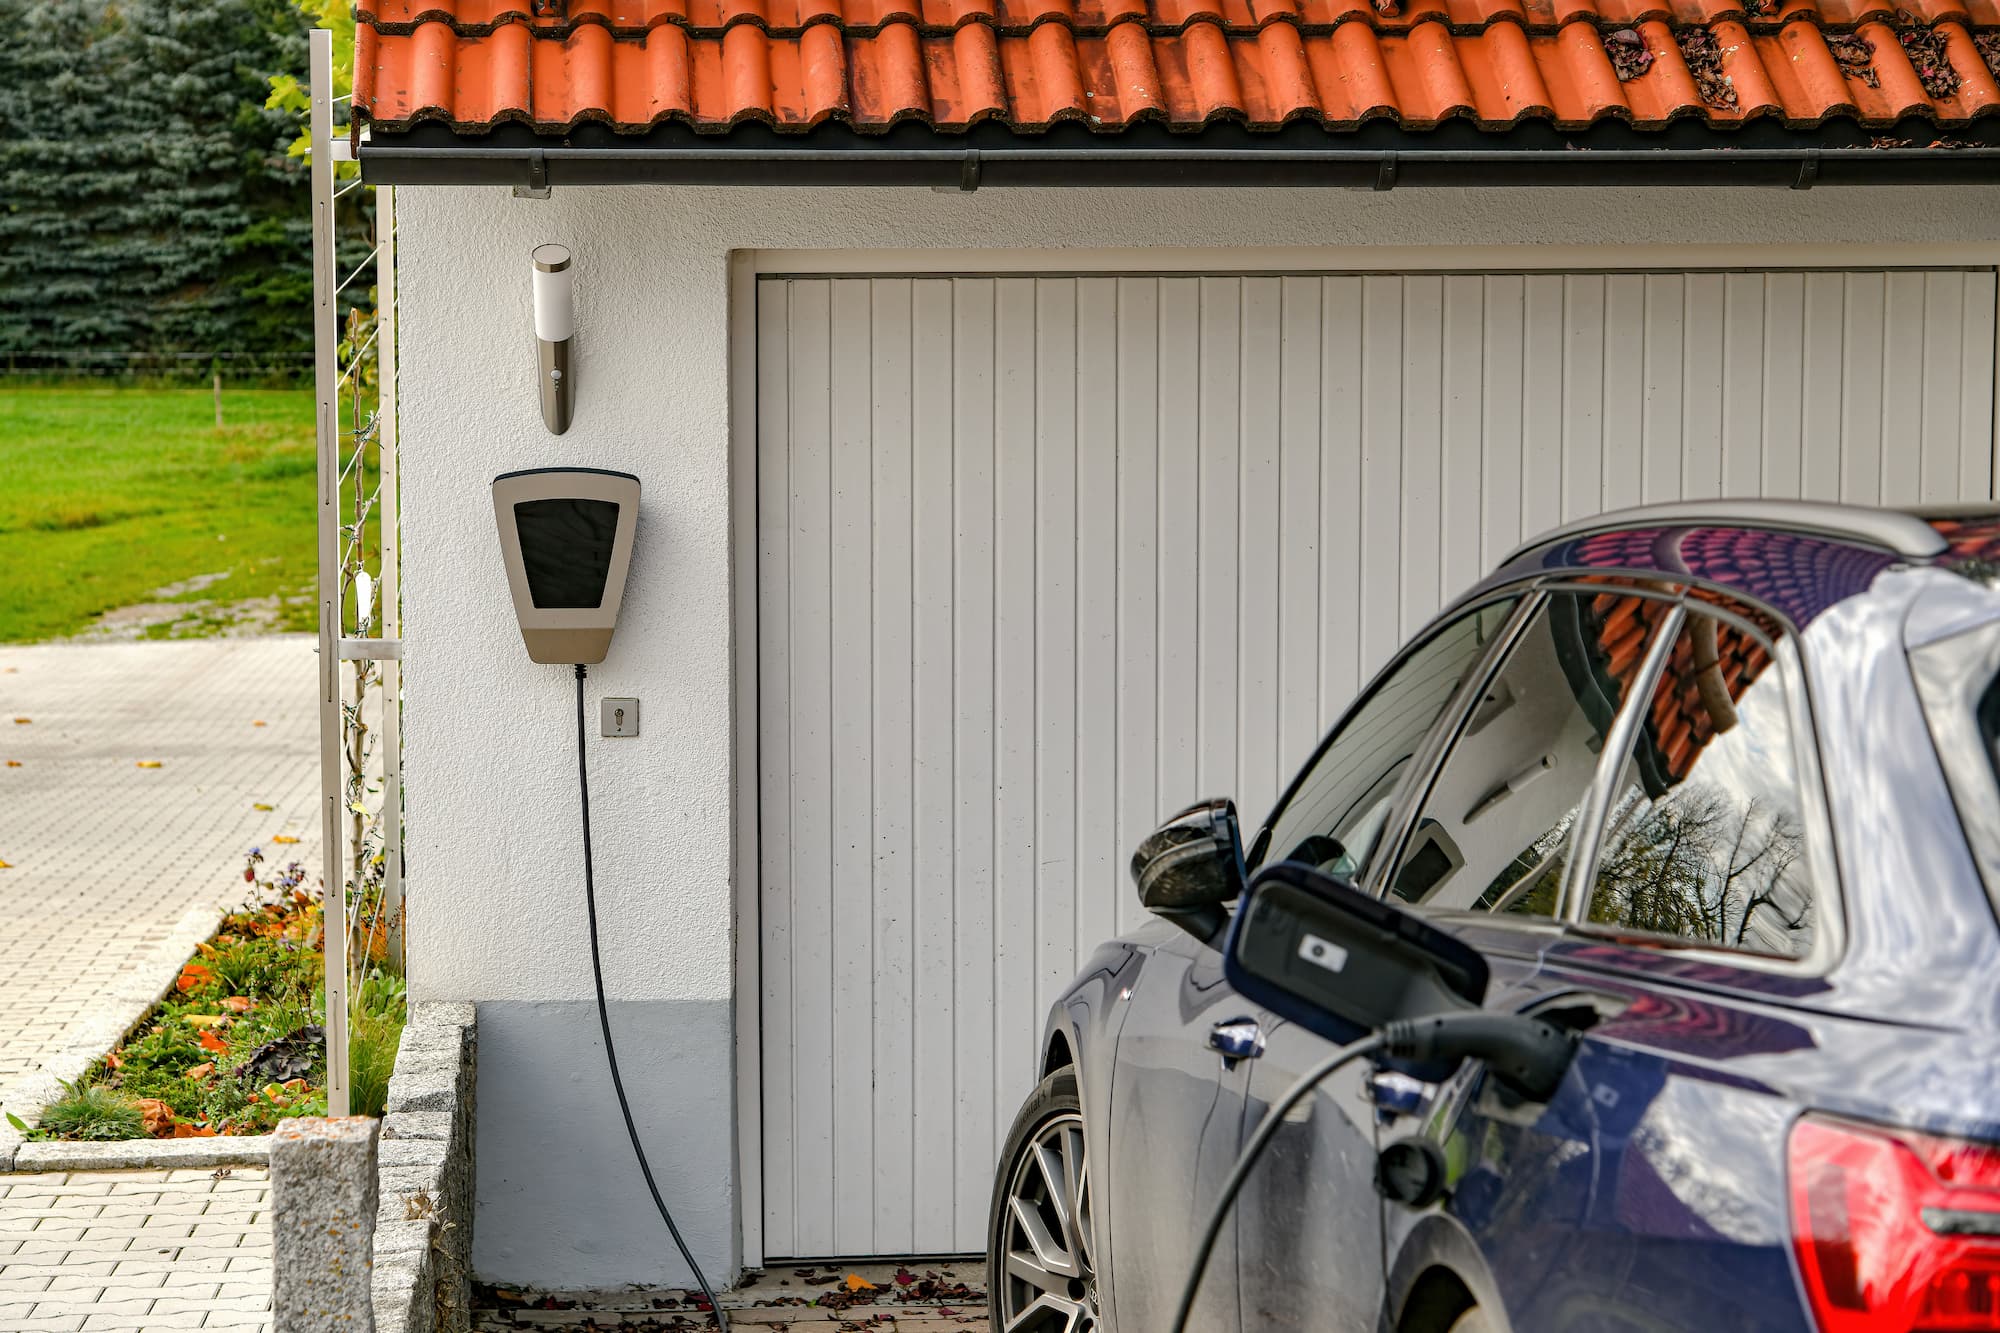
{"points": [[1710, 787]]}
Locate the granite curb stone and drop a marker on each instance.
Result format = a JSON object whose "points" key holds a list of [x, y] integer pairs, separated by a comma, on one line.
{"points": [[323, 1205]]}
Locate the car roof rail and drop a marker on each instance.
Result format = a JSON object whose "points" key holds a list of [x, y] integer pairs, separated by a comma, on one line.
{"points": [[1904, 532], [1953, 510]]}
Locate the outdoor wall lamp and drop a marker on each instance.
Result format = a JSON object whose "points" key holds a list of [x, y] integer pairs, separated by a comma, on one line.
{"points": [[555, 325]]}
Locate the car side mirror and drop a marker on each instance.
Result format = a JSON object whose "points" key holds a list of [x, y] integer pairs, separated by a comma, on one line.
{"points": [[1321, 953], [1190, 867]]}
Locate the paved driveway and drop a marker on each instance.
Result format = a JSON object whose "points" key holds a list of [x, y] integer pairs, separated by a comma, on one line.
{"points": [[107, 857]]}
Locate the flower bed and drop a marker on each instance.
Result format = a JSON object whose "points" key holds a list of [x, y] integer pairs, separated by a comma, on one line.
{"points": [[237, 1045]]}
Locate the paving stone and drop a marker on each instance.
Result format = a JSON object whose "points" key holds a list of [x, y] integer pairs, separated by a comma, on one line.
{"points": [[70, 941], [126, 1324], [140, 1251]]}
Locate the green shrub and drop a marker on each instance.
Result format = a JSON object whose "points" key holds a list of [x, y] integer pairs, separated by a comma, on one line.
{"points": [[96, 1113], [260, 969], [375, 1029]]}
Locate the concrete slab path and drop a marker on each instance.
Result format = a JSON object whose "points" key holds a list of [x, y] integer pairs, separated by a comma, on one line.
{"points": [[107, 853]]}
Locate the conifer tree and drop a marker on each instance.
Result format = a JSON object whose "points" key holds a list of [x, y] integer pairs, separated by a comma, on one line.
{"points": [[147, 206]]}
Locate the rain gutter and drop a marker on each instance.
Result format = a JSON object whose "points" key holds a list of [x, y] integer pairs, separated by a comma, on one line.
{"points": [[433, 155]]}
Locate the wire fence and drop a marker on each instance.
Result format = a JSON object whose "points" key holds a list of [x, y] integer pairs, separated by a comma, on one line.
{"points": [[188, 368], [354, 372]]}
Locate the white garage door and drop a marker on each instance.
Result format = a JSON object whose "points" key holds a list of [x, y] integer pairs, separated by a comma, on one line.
{"points": [[1044, 558]]}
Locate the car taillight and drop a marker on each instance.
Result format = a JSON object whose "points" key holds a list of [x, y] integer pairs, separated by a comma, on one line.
{"points": [[1896, 1232]]}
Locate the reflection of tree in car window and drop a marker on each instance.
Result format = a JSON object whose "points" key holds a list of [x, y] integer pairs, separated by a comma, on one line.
{"points": [[1705, 842]]}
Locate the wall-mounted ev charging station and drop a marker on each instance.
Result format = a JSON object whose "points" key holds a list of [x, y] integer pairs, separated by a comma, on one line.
{"points": [[566, 540], [566, 543]]}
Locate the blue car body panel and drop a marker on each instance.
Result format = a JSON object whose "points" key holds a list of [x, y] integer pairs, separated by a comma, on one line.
{"points": [[1650, 1193]]}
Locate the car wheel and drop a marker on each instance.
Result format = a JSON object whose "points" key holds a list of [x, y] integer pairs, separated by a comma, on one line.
{"points": [[1040, 1275], [1473, 1321]]}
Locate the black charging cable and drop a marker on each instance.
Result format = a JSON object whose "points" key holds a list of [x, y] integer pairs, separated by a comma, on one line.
{"points": [[604, 1018], [1526, 1054]]}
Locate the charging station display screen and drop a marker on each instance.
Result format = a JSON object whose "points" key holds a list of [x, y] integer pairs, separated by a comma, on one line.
{"points": [[566, 550]]}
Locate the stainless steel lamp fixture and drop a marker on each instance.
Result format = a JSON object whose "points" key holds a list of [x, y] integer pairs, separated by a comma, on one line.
{"points": [[555, 325]]}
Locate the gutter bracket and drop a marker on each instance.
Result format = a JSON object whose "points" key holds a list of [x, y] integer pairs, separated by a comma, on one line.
{"points": [[538, 177], [1385, 172], [968, 171], [1808, 170]]}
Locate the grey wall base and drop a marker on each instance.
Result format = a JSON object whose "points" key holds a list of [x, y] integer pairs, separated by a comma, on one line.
{"points": [[562, 1206], [424, 1229]]}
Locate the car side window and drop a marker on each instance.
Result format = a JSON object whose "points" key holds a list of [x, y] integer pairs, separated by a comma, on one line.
{"points": [[1335, 816], [1493, 831], [1704, 840]]}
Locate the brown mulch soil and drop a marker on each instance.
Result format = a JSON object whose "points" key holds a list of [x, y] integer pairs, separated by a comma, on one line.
{"points": [[1856, 55], [826, 1288], [1988, 46], [1629, 56], [1703, 56], [1926, 48]]}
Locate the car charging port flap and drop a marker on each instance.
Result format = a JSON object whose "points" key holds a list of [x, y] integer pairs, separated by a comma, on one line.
{"points": [[1895, 1231]]}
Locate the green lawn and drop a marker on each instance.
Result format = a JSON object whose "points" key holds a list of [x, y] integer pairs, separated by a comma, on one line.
{"points": [[109, 495]]}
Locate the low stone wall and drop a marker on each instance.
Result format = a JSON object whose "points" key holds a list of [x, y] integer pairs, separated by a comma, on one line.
{"points": [[423, 1228]]}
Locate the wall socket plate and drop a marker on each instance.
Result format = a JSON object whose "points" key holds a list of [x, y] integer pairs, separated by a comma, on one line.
{"points": [[620, 717]]}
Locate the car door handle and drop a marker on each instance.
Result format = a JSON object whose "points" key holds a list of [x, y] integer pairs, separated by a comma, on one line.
{"points": [[1396, 1093], [1236, 1039]]}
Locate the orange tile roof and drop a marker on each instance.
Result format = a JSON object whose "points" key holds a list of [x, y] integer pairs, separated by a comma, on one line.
{"points": [[1109, 64]]}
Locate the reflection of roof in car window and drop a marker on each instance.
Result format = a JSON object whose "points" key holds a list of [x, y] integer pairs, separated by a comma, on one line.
{"points": [[1974, 547]]}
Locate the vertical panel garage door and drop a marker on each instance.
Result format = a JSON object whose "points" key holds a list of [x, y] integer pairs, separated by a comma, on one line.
{"points": [[1041, 559]]}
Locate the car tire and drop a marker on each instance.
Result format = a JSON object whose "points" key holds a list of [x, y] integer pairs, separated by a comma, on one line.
{"points": [[1044, 1171], [1473, 1321]]}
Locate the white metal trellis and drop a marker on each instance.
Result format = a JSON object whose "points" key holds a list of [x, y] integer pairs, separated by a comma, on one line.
{"points": [[361, 821]]}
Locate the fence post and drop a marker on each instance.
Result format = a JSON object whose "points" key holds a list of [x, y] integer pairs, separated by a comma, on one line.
{"points": [[326, 377], [323, 1204], [390, 509]]}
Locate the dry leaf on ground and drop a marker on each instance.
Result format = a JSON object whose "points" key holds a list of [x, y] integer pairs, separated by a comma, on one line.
{"points": [[156, 1116]]}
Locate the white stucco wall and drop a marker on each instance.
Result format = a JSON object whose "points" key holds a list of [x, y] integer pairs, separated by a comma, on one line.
{"points": [[494, 875]]}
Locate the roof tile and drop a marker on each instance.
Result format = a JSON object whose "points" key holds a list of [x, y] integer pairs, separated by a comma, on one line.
{"points": [[1109, 63]]}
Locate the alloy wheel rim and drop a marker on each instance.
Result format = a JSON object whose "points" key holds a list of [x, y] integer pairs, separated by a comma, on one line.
{"points": [[1048, 1281]]}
